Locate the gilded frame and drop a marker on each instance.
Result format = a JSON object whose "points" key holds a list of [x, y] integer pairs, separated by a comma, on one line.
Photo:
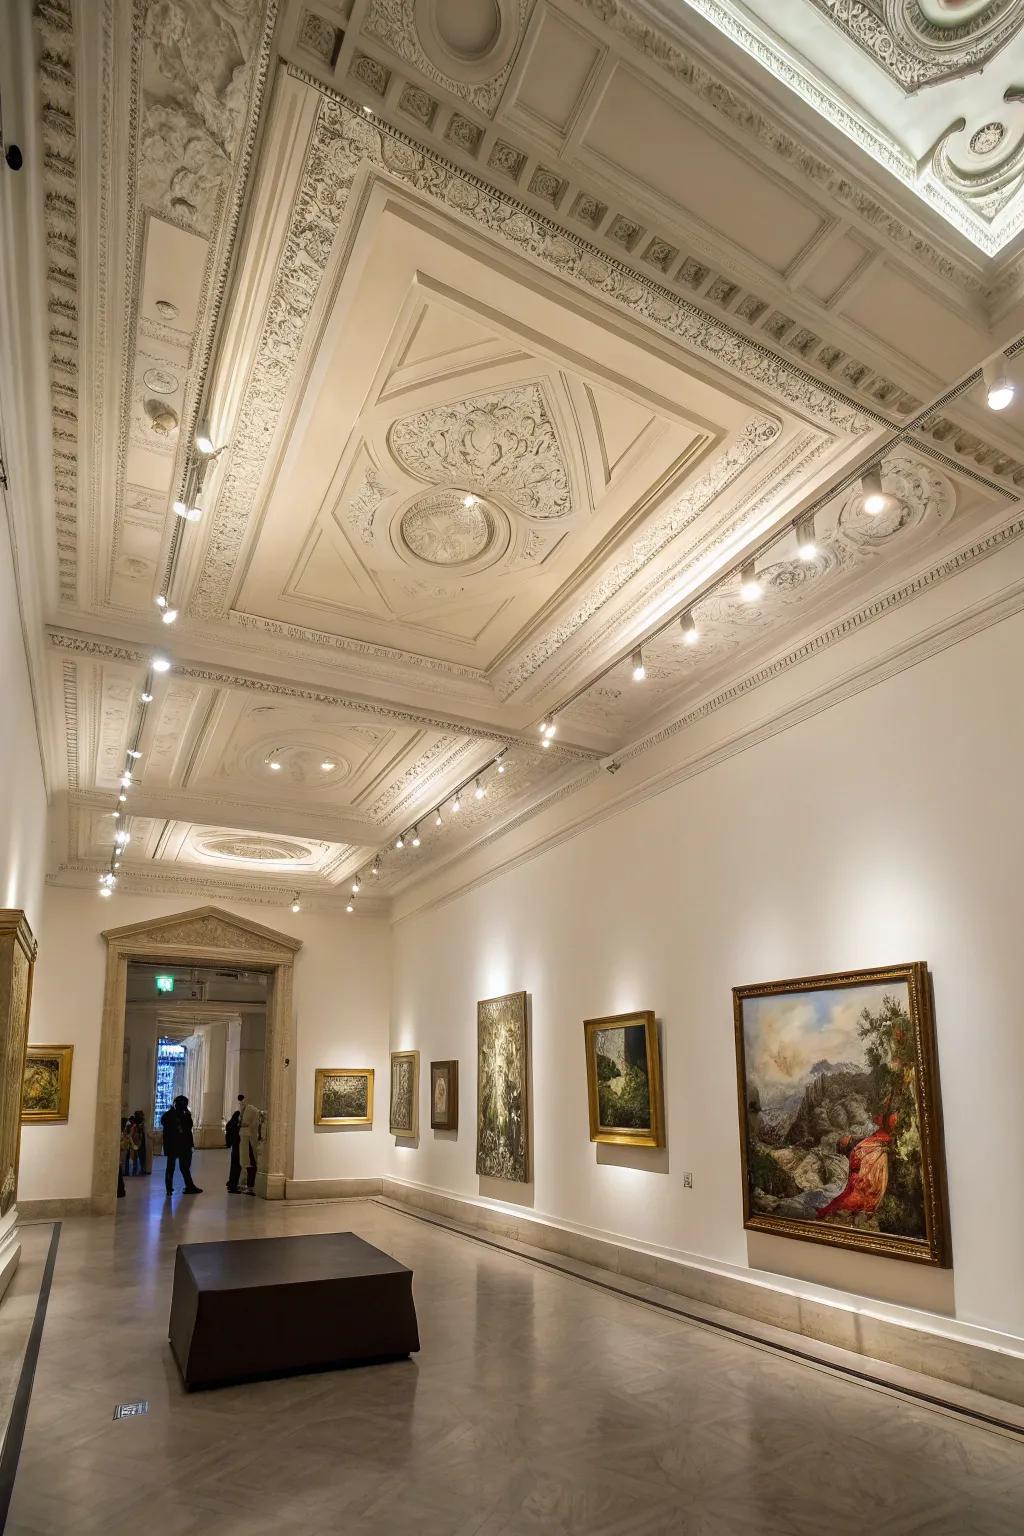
{"points": [[935, 1248], [320, 1080], [58, 1116], [412, 1130], [654, 1134], [451, 1123]]}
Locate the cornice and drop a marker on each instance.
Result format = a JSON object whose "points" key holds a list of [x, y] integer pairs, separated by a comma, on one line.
{"points": [[82, 875]]}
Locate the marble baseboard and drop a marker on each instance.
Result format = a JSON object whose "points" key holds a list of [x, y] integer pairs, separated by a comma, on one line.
{"points": [[332, 1189], [57, 1210], [996, 1372]]}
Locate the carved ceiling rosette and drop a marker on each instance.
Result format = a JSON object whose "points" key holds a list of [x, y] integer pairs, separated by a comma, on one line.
{"points": [[504, 442]]}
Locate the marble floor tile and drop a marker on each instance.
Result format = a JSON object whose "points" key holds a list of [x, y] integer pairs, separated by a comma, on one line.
{"points": [[539, 1405]]}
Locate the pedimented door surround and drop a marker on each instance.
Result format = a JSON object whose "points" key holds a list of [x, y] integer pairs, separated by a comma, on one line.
{"points": [[202, 936]]}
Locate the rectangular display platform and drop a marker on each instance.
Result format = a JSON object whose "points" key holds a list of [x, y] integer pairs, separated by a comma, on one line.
{"points": [[265, 1305]]}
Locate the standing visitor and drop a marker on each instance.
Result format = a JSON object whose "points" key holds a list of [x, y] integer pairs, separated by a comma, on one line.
{"points": [[126, 1147], [140, 1124], [179, 1144], [232, 1139], [250, 1135]]}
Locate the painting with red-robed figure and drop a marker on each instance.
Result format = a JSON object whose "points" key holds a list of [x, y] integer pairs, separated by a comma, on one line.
{"points": [[839, 1113]]}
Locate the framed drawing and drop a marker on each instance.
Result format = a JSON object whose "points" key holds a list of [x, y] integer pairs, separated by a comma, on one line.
{"points": [[502, 1108], [840, 1122], [405, 1093], [444, 1095], [343, 1096], [46, 1086], [624, 1080]]}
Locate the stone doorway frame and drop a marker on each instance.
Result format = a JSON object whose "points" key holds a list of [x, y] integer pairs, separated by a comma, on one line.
{"points": [[200, 936]]}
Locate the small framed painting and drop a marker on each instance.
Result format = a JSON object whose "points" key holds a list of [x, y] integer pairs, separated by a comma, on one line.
{"points": [[405, 1093], [624, 1080], [343, 1096], [46, 1086], [444, 1095], [840, 1125]]}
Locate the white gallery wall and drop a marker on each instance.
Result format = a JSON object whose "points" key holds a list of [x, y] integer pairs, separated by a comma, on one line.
{"points": [[884, 829], [22, 791], [342, 982]]}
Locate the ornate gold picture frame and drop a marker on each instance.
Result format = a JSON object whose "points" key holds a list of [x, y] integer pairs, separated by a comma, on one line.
{"points": [[840, 1118], [444, 1095], [343, 1096], [624, 1089], [46, 1085], [502, 1076]]}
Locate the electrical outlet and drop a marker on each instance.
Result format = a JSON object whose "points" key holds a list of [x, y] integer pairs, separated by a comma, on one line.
{"points": [[687, 1180]]}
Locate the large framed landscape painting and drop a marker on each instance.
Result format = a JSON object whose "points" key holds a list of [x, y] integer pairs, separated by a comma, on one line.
{"points": [[343, 1096], [405, 1093], [502, 1108], [46, 1086], [840, 1120], [624, 1080]]}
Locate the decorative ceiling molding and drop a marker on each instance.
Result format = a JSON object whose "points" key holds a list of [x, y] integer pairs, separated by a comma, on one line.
{"points": [[396, 24], [502, 443], [916, 48], [341, 143], [54, 28], [662, 50]]}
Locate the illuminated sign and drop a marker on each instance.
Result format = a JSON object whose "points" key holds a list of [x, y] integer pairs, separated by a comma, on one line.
{"points": [[165, 983]]}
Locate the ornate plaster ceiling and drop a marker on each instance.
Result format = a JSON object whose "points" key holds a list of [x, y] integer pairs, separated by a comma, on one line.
{"points": [[504, 379]]}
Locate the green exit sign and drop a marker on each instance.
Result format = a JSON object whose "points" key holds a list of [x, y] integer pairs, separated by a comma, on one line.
{"points": [[165, 983]]}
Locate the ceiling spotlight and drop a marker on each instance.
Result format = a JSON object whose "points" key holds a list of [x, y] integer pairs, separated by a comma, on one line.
{"points": [[415, 837], [273, 765], [456, 804], [501, 765], [356, 883], [132, 752], [122, 797], [204, 442], [296, 905], [546, 743], [750, 587], [470, 500], [160, 601], [190, 514], [117, 864], [688, 625], [543, 727], [105, 890], [160, 664], [479, 791], [438, 822], [999, 389], [639, 670], [115, 814], [326, 765], [367, 111], [169, 615], [375, 868], [145, 698], [121, 839], [350, 906], [399, 841], [551, 728], [875, 499], [805, 545]]}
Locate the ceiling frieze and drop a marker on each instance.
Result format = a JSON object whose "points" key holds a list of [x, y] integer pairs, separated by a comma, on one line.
{"points": [[395, 24], [54, 28]]}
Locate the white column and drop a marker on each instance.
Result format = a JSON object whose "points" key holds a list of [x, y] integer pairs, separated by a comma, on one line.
{"points": [[233, 1045], [210, 1131]]}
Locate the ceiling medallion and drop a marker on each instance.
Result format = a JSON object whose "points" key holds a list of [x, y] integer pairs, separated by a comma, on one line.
{"points": [[988, 138], [469, 40], [254, 850], [441, 529], [923, 42]]}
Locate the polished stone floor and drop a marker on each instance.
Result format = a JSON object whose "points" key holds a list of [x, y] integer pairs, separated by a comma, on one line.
{"points": [[538, 1404]]}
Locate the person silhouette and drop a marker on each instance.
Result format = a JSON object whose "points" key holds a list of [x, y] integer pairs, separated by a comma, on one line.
{"points": [[179, 1144]]}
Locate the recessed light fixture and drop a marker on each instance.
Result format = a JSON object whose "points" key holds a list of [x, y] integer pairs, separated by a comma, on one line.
{"points": [[750, 587], [688, 625], [160, 664], [639, 670]]}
